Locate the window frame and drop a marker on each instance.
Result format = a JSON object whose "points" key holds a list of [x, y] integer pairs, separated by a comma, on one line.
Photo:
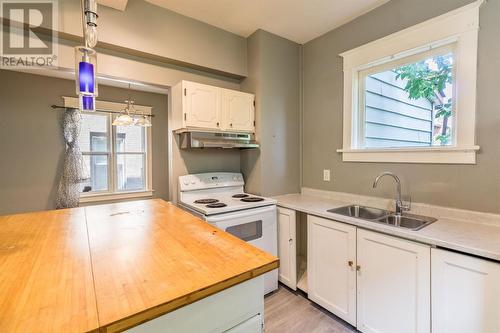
{"points": [[458, 30], [113, 193]]}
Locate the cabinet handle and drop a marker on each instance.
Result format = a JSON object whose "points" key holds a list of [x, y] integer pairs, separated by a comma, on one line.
{"points": [[217, 124], [350, 263], [358, 268], [290, 240], [231, 124]]}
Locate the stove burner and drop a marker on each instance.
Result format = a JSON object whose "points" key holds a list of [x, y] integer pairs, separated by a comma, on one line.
{"points": [[206, 201], [242, 195], [252, 199], [216, 205]]}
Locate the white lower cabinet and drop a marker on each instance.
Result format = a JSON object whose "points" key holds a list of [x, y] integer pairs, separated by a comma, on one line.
{"points": [[287, 272], [378, 283], [393, 284], [331, 269], [252, 325], [382, 284], [465, 294], [238, 309]]}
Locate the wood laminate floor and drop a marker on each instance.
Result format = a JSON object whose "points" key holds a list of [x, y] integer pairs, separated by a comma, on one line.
{"points": [[289, 312]]}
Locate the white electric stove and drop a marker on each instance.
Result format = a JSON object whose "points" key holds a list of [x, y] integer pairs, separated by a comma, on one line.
{"points": [[219, 199]]}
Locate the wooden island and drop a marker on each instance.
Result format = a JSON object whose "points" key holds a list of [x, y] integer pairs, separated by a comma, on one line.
{"points": [[142, 266]]}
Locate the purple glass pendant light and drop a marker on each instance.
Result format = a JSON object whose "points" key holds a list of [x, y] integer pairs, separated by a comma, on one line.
{"points": [[86, 58]]}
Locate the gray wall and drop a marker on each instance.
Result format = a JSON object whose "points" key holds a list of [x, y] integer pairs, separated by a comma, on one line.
{"points": [[31, 143], [474, 187], [187, 161], [274, 76], [160, 32]]}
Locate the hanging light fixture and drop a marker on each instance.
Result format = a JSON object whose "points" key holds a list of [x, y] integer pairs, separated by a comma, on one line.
{"points": [[143, 121], [130, 116], [86, 58], [126, 119]]}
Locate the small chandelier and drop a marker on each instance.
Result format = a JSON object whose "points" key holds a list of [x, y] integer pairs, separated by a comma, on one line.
{"points": [[86, 58], [125, 119], [130, 116]]}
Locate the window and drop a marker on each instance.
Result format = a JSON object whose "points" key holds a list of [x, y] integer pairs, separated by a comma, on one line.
{"points": [[117, 158], [410, 97], [408, 103]]}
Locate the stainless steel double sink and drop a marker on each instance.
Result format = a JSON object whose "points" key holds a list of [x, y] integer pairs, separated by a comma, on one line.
{"points": [[407, 221]]}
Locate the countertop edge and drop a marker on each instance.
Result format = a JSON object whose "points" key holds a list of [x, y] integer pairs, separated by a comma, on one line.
{"points": [[391, 231], [172, 305]]}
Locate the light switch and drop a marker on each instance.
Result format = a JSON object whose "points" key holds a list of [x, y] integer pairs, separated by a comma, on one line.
{"points": [[326, 175]]}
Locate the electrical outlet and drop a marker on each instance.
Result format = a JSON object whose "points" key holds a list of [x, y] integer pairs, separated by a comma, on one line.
{"points": [[326, 175]]}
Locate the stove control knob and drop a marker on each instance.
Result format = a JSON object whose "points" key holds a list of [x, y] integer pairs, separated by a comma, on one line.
{"points": [[186, 182], [193, 182]]}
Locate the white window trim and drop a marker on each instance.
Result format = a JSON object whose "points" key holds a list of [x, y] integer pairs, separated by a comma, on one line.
{"points": [[459, 27], [72, 102]]}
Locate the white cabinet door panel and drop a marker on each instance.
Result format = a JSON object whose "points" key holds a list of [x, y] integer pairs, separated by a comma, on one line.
{"points": [[465, 293], [202, 105], [393, 284], [287, 247], [331, 270], [238, 111]]}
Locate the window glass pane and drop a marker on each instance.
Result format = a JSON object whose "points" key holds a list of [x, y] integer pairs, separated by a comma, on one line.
{"points": [[130, 172], [410, 105], [97, 166], [130, 139], [94, 133]]}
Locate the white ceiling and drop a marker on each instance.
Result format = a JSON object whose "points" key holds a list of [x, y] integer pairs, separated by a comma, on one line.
{"points": [[116, 4], [297, 20]]}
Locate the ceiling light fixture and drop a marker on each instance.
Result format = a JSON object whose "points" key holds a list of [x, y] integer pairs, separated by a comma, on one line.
{"points": [[125, 119], [130, 115], [143, 121], [86, 58]]}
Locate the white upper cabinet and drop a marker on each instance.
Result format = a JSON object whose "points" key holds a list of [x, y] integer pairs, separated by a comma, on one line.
{"points": [[331, 271], [393, 284], [287, 241], [238, 111], [465, 293], [201, 106]]}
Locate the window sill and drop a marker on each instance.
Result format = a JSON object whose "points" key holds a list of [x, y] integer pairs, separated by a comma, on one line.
{"points": [[428, 155], [114, 196]]}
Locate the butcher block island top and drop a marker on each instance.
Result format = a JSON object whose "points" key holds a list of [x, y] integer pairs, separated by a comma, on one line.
{"points": [[110, 267]]}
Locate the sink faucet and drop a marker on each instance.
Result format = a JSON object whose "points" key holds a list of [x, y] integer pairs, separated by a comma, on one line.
{"points": [[399, 203]]}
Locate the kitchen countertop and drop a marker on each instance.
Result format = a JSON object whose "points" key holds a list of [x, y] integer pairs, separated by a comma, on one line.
{"points": [[112, 267], [465, 236]]}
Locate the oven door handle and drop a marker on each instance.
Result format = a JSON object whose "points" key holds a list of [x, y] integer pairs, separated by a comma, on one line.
{"points": [[241, 213]]}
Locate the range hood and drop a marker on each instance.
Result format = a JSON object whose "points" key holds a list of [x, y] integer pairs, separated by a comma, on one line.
{"points": [[200, 139]]}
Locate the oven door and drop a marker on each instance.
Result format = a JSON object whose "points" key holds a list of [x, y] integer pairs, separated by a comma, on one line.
{"points": [[256, 226]]}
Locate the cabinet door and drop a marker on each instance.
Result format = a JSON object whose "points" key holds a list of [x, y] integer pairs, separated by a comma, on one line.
{"points": [[238, 111], [465, 293], [287, 272], [393, 284], [202, 106], [331, 262]]}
